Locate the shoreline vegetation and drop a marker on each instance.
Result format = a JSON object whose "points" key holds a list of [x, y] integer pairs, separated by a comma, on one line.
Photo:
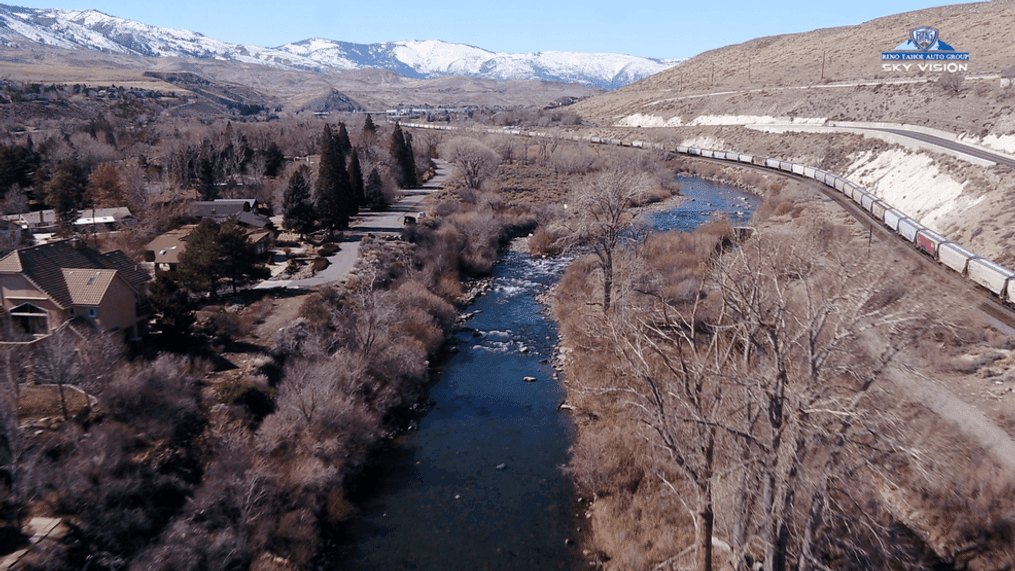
{"points": [[703, 439]]}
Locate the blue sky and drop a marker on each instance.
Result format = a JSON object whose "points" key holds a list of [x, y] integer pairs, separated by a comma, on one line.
{"points": [[651, 28]]}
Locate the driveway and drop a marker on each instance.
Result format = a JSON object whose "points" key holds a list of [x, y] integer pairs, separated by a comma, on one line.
{"points": [[368, 223]]}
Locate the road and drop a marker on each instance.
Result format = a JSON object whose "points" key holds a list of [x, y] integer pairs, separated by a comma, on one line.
{"points": [[367, 223]]}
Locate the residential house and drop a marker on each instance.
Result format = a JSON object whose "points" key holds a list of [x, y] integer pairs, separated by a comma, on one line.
{"points": [[163, 253], [243, 209], [41, 287]]}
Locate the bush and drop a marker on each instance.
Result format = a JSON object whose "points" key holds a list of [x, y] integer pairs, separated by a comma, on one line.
{"points": [[328, 249]]}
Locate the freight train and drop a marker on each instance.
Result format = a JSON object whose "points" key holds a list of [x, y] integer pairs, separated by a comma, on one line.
{"points": [[990, 275]]}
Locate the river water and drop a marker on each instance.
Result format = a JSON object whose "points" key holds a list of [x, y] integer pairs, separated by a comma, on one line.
{"points": [[478, 485]]}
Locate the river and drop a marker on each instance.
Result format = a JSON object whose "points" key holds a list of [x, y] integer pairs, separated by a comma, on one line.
{"points": [[478, 484]]}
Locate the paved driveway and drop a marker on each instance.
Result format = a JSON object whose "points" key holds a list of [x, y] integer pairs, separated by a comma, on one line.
{"points": [[381, 223]]}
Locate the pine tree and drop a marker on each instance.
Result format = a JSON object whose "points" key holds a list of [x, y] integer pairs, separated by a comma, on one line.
{"points": [[374, 191], [297, 211], [274, 160], [368, 125], [333, 191], [199, 263], [342, 140], [65, 193], [238, 258], [358, 192], [401, 155]]}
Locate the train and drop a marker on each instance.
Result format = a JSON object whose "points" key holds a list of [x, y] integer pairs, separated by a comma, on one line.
{"points": [[995, 278]]}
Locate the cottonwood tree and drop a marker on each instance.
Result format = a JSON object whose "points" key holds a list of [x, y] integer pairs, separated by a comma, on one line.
{"points": [[475, 161], [761, 392], [599, 216]]}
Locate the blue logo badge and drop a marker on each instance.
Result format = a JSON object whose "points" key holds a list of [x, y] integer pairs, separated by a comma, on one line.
{"points": [[924, 43], [923, 37]]}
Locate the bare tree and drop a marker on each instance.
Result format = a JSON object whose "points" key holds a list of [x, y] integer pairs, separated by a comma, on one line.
{"points": [[56, 363], [599, 217], [762, 389], [475, 161]]}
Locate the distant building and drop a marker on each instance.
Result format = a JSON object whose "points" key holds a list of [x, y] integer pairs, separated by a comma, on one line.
{"points": [[42, 287]]}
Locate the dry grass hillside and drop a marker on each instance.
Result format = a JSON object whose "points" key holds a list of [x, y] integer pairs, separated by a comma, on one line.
{"points": [[761, 70]]}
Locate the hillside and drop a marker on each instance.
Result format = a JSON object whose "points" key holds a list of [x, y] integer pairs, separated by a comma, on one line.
{"points": [[781, 79], [372, 89], [761, 72]]}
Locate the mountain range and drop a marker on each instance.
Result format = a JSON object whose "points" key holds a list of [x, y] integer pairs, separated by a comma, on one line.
{"points": [[93, 30]]}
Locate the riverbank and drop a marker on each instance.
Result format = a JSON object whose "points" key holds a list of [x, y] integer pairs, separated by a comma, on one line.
{"points": [[641, 505]]}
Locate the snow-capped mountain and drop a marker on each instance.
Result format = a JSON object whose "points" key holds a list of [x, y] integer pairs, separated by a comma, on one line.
{"points": [[92, 30]]}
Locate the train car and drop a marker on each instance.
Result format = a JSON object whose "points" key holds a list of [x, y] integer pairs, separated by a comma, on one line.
{"points": [[760, 161], [867, 201], [840, 184], [731, 156], [956, 257], [638, 144], [908, 229], [786, 166], [707, 153], [614, 142], [596, 140], [809, 172], [772, 163], [892, 218], [797, 169], [745, 158], [929, 241], [994, 277], [878, 209], [692, 150]]}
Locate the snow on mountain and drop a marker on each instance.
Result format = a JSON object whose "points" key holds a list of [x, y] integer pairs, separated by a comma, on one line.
{"points": [[93, 30]]}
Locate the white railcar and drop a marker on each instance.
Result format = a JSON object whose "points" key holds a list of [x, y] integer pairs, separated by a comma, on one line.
{"points": [[772, 163], [954, 256], [867, 200], [908, 229], [878, 209], [990, 275], [892, 218], [809, 172], [797, 169]]}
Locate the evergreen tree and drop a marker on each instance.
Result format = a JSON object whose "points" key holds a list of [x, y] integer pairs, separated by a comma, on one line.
{"points": [[238, 259], [368, 125], [297, 210], [358, 192], [334, 200], [199, 263], [206, 186], [274, 160], [65, 193], [374, 191], [401, 155], [174, 313], [342, 140]]}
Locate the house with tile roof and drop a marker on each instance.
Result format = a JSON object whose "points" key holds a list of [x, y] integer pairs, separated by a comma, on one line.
{"points": [[43, 286]]}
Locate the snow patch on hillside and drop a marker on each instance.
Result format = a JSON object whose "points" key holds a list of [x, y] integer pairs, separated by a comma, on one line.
{"points": [[642, 120], [910, 182], [1002, 143], [639, 120]]}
